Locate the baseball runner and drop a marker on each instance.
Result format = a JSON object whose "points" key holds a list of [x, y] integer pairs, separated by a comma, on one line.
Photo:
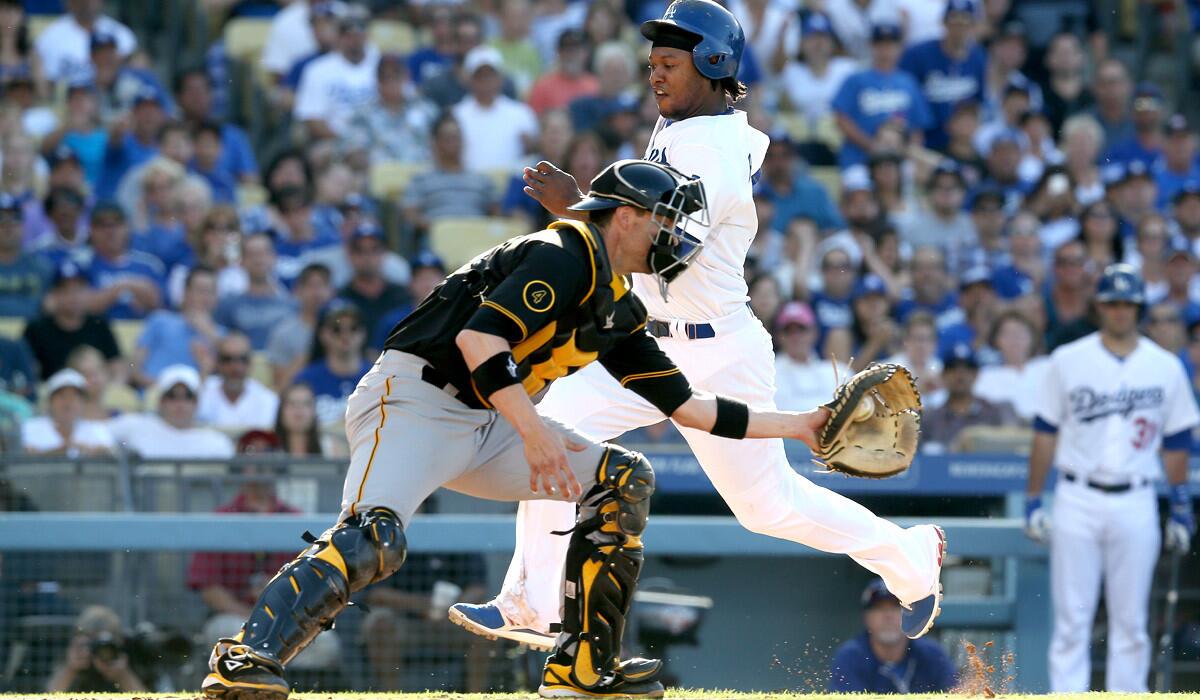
{"points": [[1111, 402], [450, 403], [705, 327]]}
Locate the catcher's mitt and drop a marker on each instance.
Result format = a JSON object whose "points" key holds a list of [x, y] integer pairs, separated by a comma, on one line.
{"points": [[875, 423]]}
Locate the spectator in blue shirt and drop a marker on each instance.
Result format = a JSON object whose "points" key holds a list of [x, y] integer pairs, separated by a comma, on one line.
{"points": [[792, 191], [443, 50], [185, 337], [24, 278], [1177, 165], [882, 660], [950, 69], [1003, 162], [931, 290], [68, 227], [295, 231], [1113, 88], [193, 92], [1146, 142], [337, 360], [81, 132], [126, 283], [265, 303], [132, 140], [116, 83], [877, 96], [208, 162]]}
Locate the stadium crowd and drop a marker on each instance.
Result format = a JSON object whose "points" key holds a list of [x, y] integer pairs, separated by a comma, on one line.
{"points": [[945, 181]]}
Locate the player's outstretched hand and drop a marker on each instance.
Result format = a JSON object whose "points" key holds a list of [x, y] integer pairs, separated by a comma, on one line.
{"points": [[553, 188], [549, 471], [1037, 520]]}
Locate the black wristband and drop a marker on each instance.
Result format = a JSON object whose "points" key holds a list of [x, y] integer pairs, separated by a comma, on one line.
{"points": [[495, 373], [733, 417]]}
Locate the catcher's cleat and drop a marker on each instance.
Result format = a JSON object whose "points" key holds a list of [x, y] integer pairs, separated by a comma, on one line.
{"points": [[556, 683], [917, 619], [240, 673], [487, 621]]}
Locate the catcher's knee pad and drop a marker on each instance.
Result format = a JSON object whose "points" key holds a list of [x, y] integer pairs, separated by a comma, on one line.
{"points": [[604, 560], [313, 588]]}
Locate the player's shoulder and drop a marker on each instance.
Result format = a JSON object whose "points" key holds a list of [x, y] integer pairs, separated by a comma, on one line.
{"points": [[1088, 345], [1159, 356]]}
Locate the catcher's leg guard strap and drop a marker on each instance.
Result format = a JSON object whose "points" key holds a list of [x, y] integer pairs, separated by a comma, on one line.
{"points": [[313, 588], [604, 560]]}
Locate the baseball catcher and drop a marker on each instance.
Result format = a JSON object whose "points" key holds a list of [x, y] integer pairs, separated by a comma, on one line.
{"points": [[450, 402]]}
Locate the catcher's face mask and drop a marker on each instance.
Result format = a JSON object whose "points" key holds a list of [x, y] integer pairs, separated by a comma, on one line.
{"points": [[672, 249]]}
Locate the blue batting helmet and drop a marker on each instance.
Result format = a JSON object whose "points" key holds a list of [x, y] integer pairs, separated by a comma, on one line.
{"points": [[1121, 282], [721, 40]]}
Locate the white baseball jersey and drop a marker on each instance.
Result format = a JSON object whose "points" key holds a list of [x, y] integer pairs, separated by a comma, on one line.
{"points": [[726, 153], [1112, 413]]}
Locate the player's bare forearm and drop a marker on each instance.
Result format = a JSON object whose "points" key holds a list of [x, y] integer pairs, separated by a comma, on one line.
{"points": [[1175, 463], [700, 412], [1040, 456], [512, 402]]}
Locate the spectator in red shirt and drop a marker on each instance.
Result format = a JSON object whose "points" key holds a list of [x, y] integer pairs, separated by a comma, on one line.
{"points": [[570, 78], [229, 582]]}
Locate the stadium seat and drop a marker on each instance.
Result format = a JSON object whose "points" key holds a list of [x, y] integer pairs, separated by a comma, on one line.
{"points": [[260, 369], [11, 326], [37, 24], [500, 178], [830, 178], [994, 439], [127, 333], [391, 36], [389, 179], [458, 239], [251, 194], [245, 37]]}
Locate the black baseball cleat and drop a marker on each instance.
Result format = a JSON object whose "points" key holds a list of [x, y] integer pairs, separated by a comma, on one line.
{"points": [[639, 683], [240, 673]]}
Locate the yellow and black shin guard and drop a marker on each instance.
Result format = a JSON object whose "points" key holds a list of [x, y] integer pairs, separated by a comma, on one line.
{"points": [[604, 560], [308, 592]]}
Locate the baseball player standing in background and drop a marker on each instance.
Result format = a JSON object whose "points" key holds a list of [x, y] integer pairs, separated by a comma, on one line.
{"points": [[1110, 402], [706, 328]]}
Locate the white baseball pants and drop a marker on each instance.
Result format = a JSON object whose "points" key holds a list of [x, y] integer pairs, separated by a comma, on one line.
{"points": [[1096, 539], [753, 476]]}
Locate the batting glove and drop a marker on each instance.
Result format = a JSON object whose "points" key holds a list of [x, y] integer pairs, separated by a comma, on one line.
{"points": [[1037, 520], [1181, 521]]}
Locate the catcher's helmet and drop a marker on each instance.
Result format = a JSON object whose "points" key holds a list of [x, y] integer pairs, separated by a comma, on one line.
{"points": [[671, 197], [721, 40], [1121, 282]]}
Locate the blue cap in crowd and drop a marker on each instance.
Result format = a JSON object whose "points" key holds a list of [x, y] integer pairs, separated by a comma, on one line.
{"points": [[1147, 96], [948, 166], [1138, 168], [986, 193], [103, 40], [960, 355], [354, 200], [1177, 124], [967, 7], [62, 154], [816, 23], [9, 203], [977, 274], [877, 592], [427, 259], [869, 284], [367, 229], [107, 208], [856, 178], [148, 94], [67, 272], [1112, 174], [1006, 136], [1189, 189], [886, 31]]}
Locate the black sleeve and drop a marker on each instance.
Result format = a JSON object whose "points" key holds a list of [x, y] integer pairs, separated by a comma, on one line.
{"points": [[546, 281], [643, 368], [106, 341]]}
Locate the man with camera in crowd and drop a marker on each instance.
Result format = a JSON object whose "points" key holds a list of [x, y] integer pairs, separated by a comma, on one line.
{"points": [[96, 660]]}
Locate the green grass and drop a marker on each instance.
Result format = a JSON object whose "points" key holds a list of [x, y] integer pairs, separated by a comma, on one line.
{"points": [[672, 694]]}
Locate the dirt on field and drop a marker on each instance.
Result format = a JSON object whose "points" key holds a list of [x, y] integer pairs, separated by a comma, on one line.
{"points": [[982, 676]]}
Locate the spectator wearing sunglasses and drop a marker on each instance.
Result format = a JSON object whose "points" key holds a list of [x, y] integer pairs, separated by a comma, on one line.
{"points": [[172, 431], [230, 397], [336, 363]]}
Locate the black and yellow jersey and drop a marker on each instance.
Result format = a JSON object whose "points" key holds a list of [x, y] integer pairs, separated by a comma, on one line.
{"points": [[554, 297]]}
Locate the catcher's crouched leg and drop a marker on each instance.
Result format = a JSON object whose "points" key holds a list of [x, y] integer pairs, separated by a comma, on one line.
{"points": [[301, 601], [604, 559]]}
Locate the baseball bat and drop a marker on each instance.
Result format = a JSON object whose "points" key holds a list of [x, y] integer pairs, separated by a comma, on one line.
{"points": [[1166, 642]]}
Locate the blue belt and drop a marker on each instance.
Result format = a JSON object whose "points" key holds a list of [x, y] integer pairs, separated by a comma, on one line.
{"points": [[691, 331]]}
